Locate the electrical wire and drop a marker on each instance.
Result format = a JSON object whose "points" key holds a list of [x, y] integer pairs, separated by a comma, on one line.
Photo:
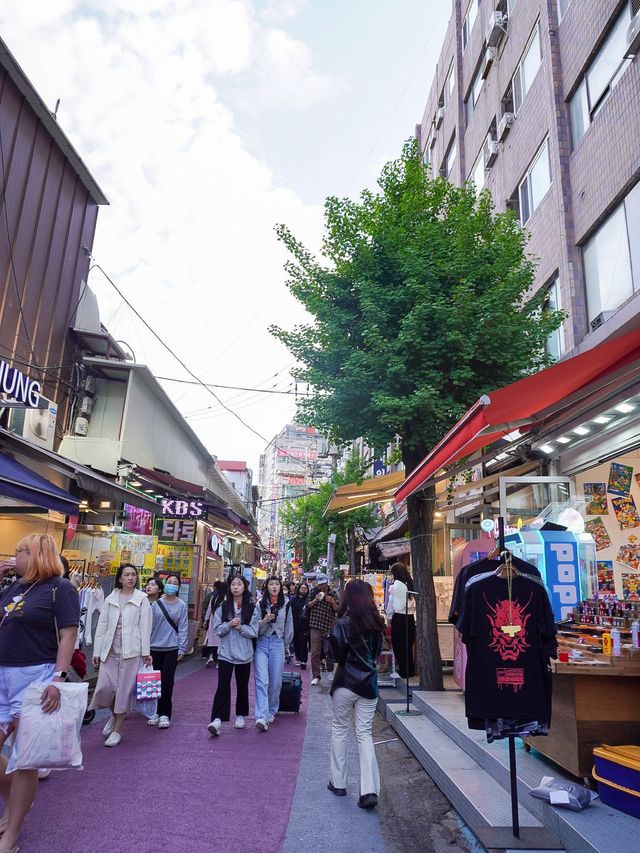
{"points": [[231, 387]]}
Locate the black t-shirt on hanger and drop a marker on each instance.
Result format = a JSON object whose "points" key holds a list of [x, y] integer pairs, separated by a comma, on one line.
{"points": [[469, 571]]}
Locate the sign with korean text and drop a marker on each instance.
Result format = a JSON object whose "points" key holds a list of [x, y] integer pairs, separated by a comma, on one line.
{"points": [[180, 508], [176, 529]]}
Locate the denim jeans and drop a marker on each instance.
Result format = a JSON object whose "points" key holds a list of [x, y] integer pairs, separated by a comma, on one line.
{"points": [[268, 668]]}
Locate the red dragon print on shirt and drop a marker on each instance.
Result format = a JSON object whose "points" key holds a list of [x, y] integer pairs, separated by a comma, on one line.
{"points": [[508, 646]]}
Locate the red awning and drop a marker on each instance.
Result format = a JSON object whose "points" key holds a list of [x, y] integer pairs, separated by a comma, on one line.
{"points": [[527, 402]]}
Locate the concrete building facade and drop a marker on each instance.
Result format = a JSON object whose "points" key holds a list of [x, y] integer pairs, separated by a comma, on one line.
{"points": [[539, 102]]}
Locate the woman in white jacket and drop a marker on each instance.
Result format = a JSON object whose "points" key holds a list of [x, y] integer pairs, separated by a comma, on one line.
{"points": [[121, 643]]}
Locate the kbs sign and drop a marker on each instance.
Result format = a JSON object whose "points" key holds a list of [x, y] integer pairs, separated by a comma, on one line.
{"points": [[181, 508]]}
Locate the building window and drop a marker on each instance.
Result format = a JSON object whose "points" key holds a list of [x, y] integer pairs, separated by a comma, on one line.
{"points": [[427, 156], [474, 94], [535, 184], [602, 75], [447, 164], [563, 5], [510, 6], [469, 21], [555, 342], [476, 175], [527, 69], [449, 83], [612, 258]]}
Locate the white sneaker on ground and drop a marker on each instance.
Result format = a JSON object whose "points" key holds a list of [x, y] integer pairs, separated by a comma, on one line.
{"points": [[153, 721], [163, 723], [315, 681], [214, 727], [106, 731], [271, 719], [239, 724], [262, 725], [210, 662], [113, 739], [44, 773]]}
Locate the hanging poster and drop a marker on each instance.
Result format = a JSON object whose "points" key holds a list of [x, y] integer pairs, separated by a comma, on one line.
{"points": [[631, 587], [629, 555], [626, 512], [599, 532], [620, 479], [606, 585], [596, 496]]}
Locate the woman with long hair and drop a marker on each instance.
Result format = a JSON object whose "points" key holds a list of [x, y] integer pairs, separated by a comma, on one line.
{"points": [[40, 612], [402, 609], [121, 644], [301, 624], [274, 636], [169, 632], [211, 639], [154, 589], [236, 624], [356, 641]]}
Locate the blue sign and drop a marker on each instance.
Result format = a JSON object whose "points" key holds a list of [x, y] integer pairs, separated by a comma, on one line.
{"points": [[379, 468], [561, 571]]}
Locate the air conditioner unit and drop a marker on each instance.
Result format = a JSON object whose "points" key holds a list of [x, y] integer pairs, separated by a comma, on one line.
{"points": [[491, 151], [602, 317], [487, 62], [633, 36], [36, 425], [496, 29], [504, 126], [439, 116]]}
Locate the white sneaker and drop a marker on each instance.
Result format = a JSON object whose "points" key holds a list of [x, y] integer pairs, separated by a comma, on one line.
{"points": [[262, 725], [44, 773], [210, 662], [163, 723], [315, 681], [271, 719], [106, 731], [214, 727], [239, 722], [153, 721], [113, 739]]}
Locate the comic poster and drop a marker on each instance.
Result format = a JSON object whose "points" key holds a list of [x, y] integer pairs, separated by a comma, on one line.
{"points": [[596, 497], [599, 532], [626, 512], [606, 584], [631, 587], [620, 479], [629, 555]]}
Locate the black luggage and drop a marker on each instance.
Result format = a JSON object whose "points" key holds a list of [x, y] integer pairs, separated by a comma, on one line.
{"points": [[290, 693]]}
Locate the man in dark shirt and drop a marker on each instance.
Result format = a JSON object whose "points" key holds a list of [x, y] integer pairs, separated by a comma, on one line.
{"points": [[322, 609]]}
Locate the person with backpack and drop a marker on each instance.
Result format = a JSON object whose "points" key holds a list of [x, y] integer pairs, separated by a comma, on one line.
{"points": [[274, 636], [236, 622], [168, 645], [356, 641]]}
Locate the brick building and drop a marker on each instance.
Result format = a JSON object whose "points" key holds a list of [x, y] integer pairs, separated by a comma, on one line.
{"points": [[539, 101]]}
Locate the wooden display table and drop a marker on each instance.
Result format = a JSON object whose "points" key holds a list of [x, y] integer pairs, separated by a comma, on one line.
{"points": [[592, 705]]}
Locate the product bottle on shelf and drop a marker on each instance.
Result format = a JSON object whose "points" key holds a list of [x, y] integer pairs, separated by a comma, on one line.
{"points": [[615, 641], [606, 643], [635, 634]]}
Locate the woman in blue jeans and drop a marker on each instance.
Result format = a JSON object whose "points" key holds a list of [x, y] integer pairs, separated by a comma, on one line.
{"points": [[274, 636]]}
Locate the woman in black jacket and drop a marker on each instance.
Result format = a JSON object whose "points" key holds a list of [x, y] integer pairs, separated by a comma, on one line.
{"points": [[356, 641], [300, 624]]}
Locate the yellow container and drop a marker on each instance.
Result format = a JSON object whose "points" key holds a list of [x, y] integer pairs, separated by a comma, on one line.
{"points": [[607, 645]]}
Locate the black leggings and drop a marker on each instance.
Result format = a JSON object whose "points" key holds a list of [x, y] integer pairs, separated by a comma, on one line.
{"points": [[221, 709], [400, 624], [301, 644], [166, 660]]}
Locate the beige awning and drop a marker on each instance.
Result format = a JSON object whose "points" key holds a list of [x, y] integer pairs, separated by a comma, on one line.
{"points": [[372, 490]]}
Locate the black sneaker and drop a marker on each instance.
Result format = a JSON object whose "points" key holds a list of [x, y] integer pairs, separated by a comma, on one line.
{"points": [[339, 792], [368, 801], [303, 666]]}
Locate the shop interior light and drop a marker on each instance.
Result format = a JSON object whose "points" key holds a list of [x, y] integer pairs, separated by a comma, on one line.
{"points": [[501, 456], [581, 430], [625, 408], [564, 439], [149, 491], [158, 497], [135, 483], [546, 448], [105, 504], [602, 419]]}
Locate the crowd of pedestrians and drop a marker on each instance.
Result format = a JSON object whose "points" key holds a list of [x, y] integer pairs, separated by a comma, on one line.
{"points": [[39, 621]]}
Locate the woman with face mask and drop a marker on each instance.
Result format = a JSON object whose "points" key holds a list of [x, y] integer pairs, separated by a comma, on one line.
{"points": [[121, 644], [168, 644], [236, 622], [274, 636]]}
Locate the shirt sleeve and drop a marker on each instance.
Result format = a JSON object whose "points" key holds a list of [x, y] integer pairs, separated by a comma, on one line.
{"points": [[67, 605], [183, 629]]}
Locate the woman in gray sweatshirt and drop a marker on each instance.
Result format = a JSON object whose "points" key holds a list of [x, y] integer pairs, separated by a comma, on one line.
{"points": [[236, 622], [168, 644]]}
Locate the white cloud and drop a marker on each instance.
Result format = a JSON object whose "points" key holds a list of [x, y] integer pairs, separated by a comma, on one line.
{"points": [[282, 10]]}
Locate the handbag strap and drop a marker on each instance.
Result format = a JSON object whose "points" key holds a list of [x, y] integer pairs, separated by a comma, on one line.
{"points": [[166, 616], [370, 664]]}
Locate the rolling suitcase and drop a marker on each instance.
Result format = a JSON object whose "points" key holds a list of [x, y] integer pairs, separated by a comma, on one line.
{"points": [[290, 693]]}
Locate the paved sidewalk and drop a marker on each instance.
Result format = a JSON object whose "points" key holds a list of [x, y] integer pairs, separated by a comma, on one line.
{"points": [[321, 822], [177, 790]]}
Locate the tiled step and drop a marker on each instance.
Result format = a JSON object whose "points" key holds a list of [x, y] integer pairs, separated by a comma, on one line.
{"points": [[597, 829]]}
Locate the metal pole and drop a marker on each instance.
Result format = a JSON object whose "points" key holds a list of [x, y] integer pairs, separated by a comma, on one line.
{"points": [[515, 823], [406, 634]]}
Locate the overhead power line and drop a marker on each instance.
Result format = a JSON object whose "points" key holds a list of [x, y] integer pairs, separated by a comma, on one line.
{"points": [[231, 387]]}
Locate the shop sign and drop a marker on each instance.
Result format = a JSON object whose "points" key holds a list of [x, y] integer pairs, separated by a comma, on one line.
{"points": [[562, 573], [181, 508], [176, 529], [138, 520], [19, 386], [214, 543], [71, 528]]}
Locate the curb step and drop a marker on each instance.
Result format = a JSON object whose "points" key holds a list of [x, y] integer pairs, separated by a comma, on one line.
{"points": [[475, 795]]}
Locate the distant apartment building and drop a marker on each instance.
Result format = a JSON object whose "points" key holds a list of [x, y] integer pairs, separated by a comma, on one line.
{"points": [[539, 101], [241, 478]]}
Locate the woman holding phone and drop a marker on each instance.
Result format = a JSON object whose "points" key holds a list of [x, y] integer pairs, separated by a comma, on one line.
{"points": [[274, 636]]}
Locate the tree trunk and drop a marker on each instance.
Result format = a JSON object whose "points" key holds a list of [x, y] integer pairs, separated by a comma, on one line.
{"points": [[420, 508]]}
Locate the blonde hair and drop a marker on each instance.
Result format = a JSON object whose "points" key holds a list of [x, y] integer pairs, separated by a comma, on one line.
{"points": [[44, 559]]}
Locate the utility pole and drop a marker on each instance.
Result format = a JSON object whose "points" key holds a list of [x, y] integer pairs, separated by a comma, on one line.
{"points": [[331, 553]]}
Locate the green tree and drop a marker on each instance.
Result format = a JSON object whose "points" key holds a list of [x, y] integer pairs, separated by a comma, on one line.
{"points": [[422, 303], [308, 529]]}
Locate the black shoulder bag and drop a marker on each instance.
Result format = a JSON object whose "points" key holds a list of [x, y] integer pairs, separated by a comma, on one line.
{"points": [[166, 616]]}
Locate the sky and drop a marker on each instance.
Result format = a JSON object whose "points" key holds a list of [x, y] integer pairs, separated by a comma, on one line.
{"points": [[206, 123]]}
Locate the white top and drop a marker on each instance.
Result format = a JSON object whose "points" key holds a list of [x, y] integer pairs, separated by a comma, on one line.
{"points": [[398, 599]]}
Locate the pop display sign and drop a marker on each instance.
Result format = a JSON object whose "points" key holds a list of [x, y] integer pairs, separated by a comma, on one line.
{"points": [[562, 572]]}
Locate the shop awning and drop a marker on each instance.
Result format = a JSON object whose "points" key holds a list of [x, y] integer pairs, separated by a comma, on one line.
{"points": [[19, 482], [372, 490], [528, 402]]}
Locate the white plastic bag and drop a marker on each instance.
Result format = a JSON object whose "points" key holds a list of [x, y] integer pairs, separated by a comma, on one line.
{"points": [[49, 740]]}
